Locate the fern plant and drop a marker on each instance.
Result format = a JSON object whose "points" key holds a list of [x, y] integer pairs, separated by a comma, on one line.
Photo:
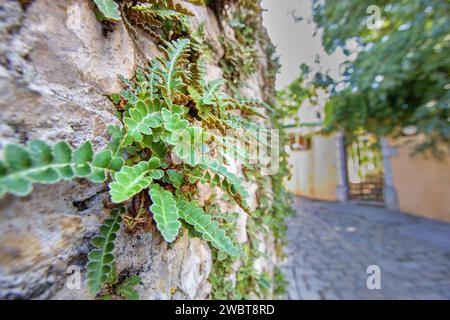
{"points": [[152, 16], [164, 148], [208, 228], [126, 289], [165, 212], [38, 162], [108, 10], [101, 260], [172, 70], [129, 181]]}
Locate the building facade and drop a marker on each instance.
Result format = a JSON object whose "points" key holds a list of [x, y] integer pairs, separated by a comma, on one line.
{"points": [[384, 173]]}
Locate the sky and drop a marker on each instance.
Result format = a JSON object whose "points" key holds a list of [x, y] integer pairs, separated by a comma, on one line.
{"points": [[294, 41]]}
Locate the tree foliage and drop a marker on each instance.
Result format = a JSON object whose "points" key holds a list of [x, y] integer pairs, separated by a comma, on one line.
{"points": [[400, 76]]}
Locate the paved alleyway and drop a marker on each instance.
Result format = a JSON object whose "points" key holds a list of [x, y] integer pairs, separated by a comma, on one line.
{"points": [[331, 245]]}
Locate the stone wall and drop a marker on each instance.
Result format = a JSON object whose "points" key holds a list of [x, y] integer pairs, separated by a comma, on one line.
{"points": [[57, 67]]}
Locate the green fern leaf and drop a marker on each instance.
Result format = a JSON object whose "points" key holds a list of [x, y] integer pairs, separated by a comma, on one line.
{"points": [[198, 175], [212, 91], [151, 79], [231, 183], [129, 181], [108, 9], [190, 145], [165, 212], [173, 121], [157, 12], [39, 162], [178, 8], [117, 136], [197, 2], [175, 177], [126, 289], [172, 68], [101, 259], [141, 119], [209, 229]]}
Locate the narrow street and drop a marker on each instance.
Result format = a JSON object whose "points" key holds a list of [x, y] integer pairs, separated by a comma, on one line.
{"points": [[331, 245]]}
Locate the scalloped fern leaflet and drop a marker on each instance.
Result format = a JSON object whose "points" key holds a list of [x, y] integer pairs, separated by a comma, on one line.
{"points": [[108, 10], [39, 162], [165, 212], [101, 259], [129, 181], [209, 229]]}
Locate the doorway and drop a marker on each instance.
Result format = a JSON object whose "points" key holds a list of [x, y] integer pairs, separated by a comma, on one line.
{"points": [[364, 168]]}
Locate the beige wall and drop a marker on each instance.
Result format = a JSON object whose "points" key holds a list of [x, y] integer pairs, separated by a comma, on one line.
{"points": [[314, 171], [422, 183]]}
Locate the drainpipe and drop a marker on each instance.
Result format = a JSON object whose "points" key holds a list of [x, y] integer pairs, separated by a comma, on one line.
{"points": [[389, 192], [341, 169]]}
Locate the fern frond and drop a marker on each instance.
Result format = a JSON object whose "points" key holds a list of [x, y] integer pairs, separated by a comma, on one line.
{"points": [[129, 181], [151, 15], [231, 147], [172, 121], [212, 92], [213, 96], [39, 162], [141, 119], [197, 2], [175, 177], [109, 10], [198, 175], [151, 79], [197, 66], [126, 289], [210, 172], [165, 212], [178, 8], [209, 229], [231, 183], [189, 145], [172, 67], [101, 259], [213, 122], [144, 20], [117, 136], [247, 108]]}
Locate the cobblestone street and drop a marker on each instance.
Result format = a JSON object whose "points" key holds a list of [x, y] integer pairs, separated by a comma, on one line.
{"points": [[331, 245]]}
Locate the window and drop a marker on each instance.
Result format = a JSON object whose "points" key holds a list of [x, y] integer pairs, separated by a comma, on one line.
{"points": [[298, 142]]}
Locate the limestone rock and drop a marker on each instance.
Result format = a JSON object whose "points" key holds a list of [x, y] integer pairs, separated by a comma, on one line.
{"points": [[57, 68]]}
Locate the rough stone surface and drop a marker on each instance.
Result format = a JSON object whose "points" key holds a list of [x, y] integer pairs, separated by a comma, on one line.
{"points": [[56, 69]]}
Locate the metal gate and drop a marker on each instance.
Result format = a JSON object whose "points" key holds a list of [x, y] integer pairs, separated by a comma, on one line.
{"points": [[364, 168]]}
